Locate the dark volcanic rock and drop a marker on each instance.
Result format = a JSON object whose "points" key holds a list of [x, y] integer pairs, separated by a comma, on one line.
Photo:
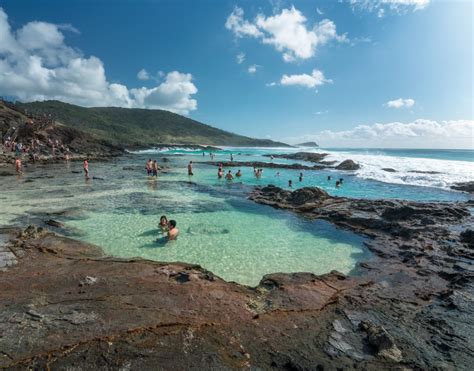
{"points": [[389, 170], [348, 165], [381, 340], [416, 309], [465, 187], [259, 165], [303, 156]]}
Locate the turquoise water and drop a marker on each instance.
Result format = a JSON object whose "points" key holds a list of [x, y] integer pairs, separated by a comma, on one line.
{"points": [[220, 228]]}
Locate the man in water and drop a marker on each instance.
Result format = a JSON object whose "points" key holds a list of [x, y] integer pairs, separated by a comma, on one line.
{"points": [[190, 168], [329, 178], [172, 230], [238, 174], [290, 183], [338, 183], [229, 175], [154, 168], [148, 167], [86, 167], [301, 177], [18, 166], [231, 158]]}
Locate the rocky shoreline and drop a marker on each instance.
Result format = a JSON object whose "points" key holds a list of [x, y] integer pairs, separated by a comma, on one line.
{"points": [[65, 305]]}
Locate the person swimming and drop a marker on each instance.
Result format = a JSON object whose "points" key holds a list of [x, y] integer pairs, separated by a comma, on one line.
{"points": [[329, 178], [277, 174], [163, 225], [173, 232], [229, 175], [338, 183], [301, 177], [238, 174], [290, 183], [341, 180]]}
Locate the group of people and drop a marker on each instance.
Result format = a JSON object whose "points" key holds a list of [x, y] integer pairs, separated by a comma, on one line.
{"points": [[151, 168]]}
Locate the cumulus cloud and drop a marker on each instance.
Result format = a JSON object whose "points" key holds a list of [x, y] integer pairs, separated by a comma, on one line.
{"points": [[36, 64], [400, 103], [143, 74], [286, 31], [420, 133], [240, 58], [397, 6], [308, 81]]}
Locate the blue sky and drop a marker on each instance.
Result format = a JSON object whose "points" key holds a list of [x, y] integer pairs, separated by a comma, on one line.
{"points": [[381, 73]]}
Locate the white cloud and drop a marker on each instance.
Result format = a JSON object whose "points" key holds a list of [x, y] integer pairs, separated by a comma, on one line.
{"points": [[143, 74], [253, 68], [396, 6], [287, 31], [240, 27], [420, 133], [36, 64], [319, 11], [400, 103], [240, 58], [309, 81]]}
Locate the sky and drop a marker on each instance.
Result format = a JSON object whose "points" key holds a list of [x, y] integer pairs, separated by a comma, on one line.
{"points": [[343, 73]]}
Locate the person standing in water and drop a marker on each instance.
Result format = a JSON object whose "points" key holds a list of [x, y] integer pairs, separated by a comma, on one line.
{"points": [[231, 158], [154, 169], [238, 174], [301, 177], [86, 168], [172, 230], [190, 168], [148, 167], [290, 183], [329, 178], [229, 175], [18, 166]]}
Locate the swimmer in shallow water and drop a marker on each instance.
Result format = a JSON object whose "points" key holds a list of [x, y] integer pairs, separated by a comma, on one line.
{"points": [[229, 175], [163, 224], [238, 174], [173, 232]]}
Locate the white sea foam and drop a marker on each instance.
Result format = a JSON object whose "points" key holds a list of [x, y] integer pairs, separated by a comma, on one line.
{"points": [[408, 170]]}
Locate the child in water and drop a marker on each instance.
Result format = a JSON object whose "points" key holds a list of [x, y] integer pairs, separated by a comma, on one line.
{"points": [[163, 224]]}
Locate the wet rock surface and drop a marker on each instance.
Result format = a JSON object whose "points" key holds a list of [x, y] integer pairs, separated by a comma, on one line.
{"points": [[348, 165], [64, 305], [465, 187], [303, 156], [259, 164]]}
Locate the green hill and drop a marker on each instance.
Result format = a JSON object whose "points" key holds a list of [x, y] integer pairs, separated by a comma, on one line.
{"points": [[141, 127]]}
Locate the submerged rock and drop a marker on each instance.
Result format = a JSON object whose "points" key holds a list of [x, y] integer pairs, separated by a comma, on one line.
{"points": [[389, 170]]}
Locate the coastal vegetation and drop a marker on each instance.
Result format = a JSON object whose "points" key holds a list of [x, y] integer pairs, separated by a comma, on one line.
{"points": [[133, 127]]}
